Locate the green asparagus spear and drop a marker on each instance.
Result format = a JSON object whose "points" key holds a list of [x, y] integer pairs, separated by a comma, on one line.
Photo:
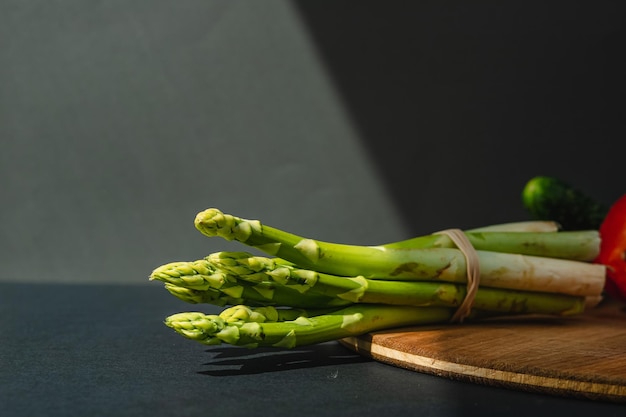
{"points": [[416, 293], [270, 314], [399, 262], [200, 282], [580, 245], [350, 321], [573, 245]]}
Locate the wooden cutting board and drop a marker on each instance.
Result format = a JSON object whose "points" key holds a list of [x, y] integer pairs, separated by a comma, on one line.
{"points": [[582, 356]]}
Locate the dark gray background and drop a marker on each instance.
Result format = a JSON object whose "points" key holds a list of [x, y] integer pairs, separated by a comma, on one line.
{"points": [[358, 122]]}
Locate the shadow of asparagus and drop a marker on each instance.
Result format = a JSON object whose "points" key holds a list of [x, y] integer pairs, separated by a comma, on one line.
{"points": [[232, 360]]}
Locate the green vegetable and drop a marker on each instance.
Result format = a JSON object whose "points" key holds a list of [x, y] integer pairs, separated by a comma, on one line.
{"points": [[315, 289], [432, 257], [350, 321], [200, 282], [310, 291], [549, 198]]}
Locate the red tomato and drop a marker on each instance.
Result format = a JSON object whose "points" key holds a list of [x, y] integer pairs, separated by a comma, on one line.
{"points": [[613, 249]]}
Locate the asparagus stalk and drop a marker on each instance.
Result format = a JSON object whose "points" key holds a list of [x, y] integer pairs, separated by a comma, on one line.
{"points": [[573, 245], [516, 238], [200, 282], [423, 261], [523, 226], [416, 293], [329, 291], [267, 314], [349, 321]]}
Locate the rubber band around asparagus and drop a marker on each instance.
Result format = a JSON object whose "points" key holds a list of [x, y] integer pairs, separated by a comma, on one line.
{"points": [[473, 271]]}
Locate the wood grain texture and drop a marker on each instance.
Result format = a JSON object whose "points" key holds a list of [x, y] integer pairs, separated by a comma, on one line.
{"points": [[583, 356]]}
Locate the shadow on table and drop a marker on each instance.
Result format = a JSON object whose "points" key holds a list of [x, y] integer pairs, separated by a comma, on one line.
{"points": [[231, 360]]}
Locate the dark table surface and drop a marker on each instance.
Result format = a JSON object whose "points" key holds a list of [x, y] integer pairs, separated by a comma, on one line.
{"points": [[85, 350]]}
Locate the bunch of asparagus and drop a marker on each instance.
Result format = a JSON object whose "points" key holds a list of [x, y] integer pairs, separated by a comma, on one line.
{"points": [[305, 291]]}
